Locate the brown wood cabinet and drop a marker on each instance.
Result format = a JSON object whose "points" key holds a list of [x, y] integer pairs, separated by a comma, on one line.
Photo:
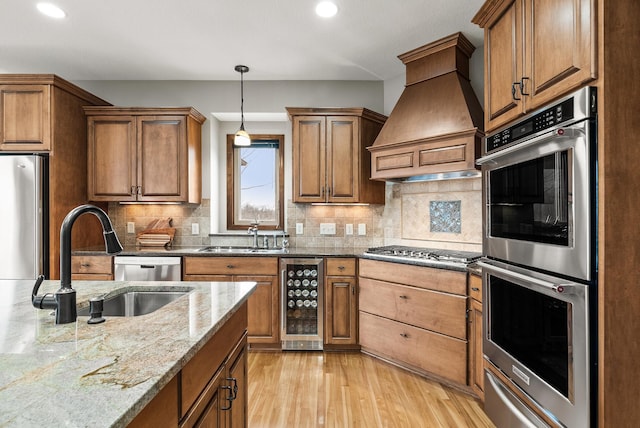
{"points": [[476, 358], [534, 52], [263, 304], [42, 113], [415, 317], [340, 304], [211, 389], [144, 154], [92, 268], [330, 160]]}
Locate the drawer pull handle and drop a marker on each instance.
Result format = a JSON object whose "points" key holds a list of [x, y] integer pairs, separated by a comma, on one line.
{"points": [[233, 392], [403, 297], [405, 335], [230, 266], [475, 289], [85, 265], [340, 267]]}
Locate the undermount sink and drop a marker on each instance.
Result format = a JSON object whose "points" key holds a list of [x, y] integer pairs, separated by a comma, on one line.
{"points": [[136, 303], [241, 250]]}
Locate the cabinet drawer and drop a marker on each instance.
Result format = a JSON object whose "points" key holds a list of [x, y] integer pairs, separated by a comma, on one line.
{"points": [[434, 353], [202, 367], [340, 267], [230, 265], [441, 312], [92, 265], [448, 281], [475, 287]]}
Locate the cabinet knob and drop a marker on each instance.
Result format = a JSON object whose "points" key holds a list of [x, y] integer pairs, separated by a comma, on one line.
{"points": [[85, 265], [133, 190], [405, 335], [475, 289], [230, 266], [403, 297], [340, 267]]}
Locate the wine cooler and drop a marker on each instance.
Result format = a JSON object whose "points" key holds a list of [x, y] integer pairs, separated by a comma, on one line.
{"points": [[302, 289]]}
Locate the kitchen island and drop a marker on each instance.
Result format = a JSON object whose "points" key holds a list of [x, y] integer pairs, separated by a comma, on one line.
{"points": [[103, 375]]}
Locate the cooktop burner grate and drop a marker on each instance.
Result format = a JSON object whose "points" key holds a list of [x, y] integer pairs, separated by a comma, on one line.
{"points": [[422, 255]]}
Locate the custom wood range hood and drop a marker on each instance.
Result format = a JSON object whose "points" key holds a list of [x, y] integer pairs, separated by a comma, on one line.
{"points": [[434, 130]]}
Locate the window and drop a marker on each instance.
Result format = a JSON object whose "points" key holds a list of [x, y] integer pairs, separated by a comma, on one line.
{"points": [[255, 183]]}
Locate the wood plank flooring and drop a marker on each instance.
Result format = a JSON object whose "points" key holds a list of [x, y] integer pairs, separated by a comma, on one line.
{"points": [[314, 389]]}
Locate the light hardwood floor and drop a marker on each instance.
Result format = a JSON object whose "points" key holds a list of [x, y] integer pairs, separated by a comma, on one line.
{"points": [[314, 389]]}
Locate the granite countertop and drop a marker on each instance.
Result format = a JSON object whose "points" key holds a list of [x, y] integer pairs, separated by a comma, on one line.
{"points": [[193, 251], [103, 374]]}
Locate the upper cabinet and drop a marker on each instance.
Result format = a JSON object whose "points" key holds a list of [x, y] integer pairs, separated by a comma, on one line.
{"points": [[535, 52], [330, 160], [144, 154]]}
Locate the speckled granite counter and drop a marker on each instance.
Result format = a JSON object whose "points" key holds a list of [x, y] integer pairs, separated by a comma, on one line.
{"points": [[194, 251], [101, 375]]}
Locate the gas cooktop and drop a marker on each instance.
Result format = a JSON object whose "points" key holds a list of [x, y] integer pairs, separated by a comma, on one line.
{"points": [[422, 256]]}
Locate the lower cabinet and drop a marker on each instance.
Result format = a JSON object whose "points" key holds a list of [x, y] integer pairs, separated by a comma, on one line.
{"points": [[476, 358], [211, 389], [263, 305], [92, 268], [340, 304], [415, 317]]}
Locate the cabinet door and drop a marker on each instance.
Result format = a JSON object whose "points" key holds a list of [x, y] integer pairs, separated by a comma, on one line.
{"points": [[476, 365], [309, 159], [341, 310], [263, 305], [25, 122], [343, 160], [237, 376], [503, 62], [560, 48], [162, 158], [111, 158]]}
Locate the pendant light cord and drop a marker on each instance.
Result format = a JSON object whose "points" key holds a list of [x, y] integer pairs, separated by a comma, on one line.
{"points": [[242, 100]]}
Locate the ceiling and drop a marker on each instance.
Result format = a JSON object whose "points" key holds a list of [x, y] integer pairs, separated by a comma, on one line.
{"points": [[205, 39]]}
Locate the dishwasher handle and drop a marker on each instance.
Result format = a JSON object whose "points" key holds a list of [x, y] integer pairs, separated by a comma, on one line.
{"points": [[147, 266]]}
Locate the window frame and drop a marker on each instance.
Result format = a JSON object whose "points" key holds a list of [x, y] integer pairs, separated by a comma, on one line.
{"points": [[231, 175]]}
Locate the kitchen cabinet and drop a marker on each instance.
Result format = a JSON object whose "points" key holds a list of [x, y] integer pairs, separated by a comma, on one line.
{"points": [[330, 160], [340, 304], [42, 113], [415, 317], [144, 154], [263, 304], [535, 52], [26, 117], [476, 358], [211, 389], [92, 268]]}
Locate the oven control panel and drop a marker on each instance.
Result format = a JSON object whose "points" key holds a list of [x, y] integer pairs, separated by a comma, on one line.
{"points": [[546, 119]]}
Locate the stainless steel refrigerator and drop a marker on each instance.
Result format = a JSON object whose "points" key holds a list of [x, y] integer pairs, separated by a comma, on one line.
{"points": [[24, 249]]}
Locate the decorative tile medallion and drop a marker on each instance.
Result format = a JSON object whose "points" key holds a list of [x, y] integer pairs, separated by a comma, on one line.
{"points": [[445, 216]]}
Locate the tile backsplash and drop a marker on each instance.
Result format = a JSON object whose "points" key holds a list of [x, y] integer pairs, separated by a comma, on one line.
{"points": [[182, 218], [436, 214]]}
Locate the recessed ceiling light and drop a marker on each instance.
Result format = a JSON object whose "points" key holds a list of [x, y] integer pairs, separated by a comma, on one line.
{"points": [[326, 9], [51, 10]]}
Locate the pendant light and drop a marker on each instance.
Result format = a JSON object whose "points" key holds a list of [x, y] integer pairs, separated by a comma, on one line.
{"points": [[242, 138]]}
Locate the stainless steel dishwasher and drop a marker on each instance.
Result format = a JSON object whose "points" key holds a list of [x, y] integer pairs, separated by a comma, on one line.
{"points": [[132, 268]]}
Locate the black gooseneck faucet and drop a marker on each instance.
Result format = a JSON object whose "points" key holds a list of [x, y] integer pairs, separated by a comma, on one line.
{"points": [[64, 299]]}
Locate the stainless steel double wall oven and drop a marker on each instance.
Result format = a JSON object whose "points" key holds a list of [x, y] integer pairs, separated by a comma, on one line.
{"points": [[540, 270]]}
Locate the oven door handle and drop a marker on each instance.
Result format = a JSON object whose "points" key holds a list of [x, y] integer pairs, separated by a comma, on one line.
{"points": [[556, 288], [517, 408], [575, 131]]}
